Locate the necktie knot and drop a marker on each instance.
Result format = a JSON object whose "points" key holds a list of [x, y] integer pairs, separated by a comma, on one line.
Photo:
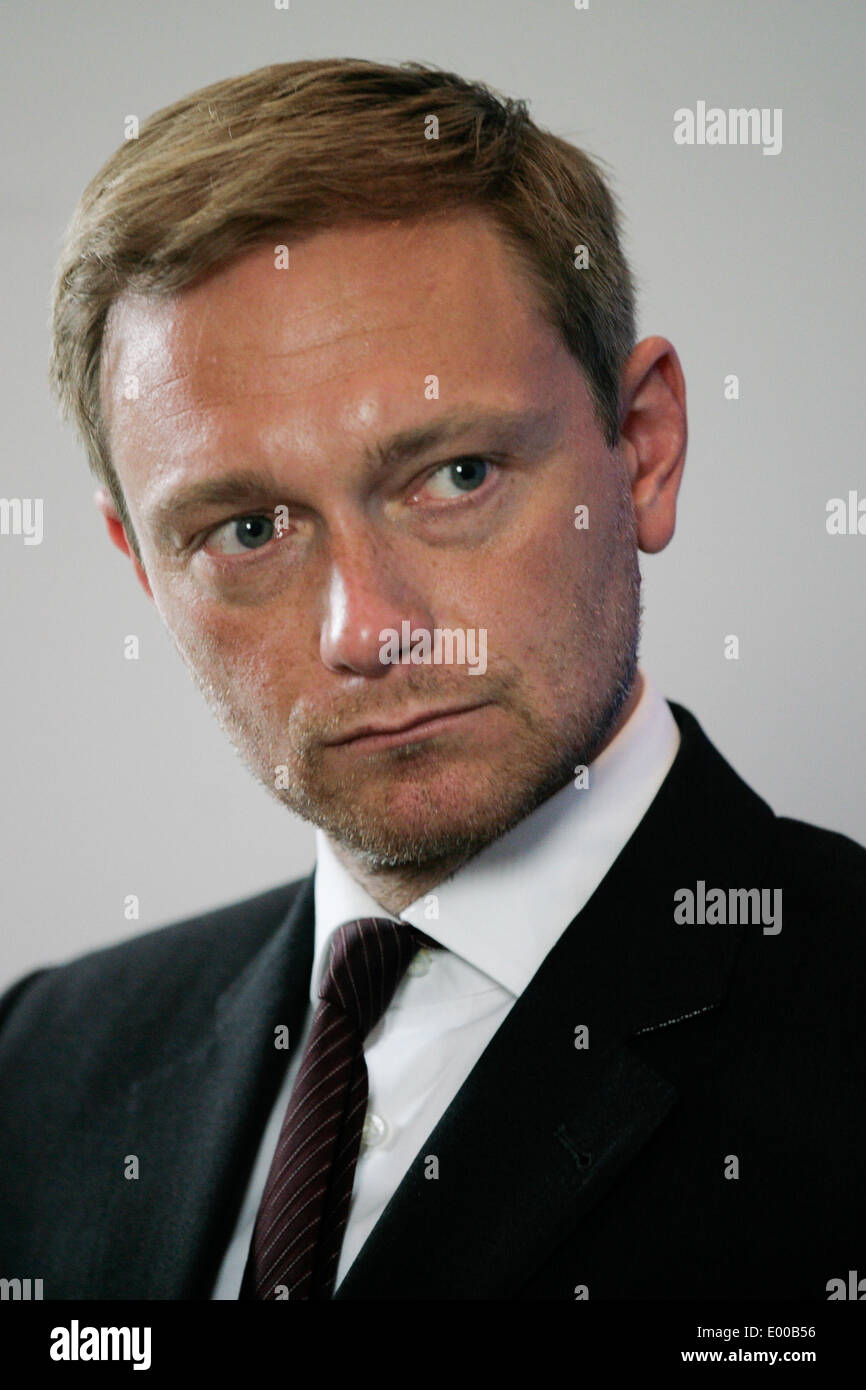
{"points": [[368, 959]]}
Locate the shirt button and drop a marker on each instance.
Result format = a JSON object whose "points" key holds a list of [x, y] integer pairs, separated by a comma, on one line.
{"points": [[374, 1131], [420, 962]]}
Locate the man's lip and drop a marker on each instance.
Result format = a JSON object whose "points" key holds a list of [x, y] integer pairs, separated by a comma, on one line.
{"points": [[426, 717]]}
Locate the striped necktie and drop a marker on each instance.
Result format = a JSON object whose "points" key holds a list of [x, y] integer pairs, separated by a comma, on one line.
{"points": [[302, 1218]]}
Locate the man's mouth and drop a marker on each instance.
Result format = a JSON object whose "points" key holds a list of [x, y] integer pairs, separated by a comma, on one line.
{"points": [[424, 724]]}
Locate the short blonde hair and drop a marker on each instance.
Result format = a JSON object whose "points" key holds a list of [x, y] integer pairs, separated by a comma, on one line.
{"points": [[300, 147]]}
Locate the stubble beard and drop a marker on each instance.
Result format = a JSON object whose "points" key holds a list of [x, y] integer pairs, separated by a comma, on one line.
{"points": [[544, 758]]}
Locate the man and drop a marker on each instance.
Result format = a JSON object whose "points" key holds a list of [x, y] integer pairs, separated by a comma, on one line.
{"points": [[352, 350]]}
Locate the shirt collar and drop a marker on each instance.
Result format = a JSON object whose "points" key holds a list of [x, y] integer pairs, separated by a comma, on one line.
{"points": [[504, 910]]}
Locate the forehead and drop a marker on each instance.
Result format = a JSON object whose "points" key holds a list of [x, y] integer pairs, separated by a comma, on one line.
{"points": [[422, 283], [256, 357]]}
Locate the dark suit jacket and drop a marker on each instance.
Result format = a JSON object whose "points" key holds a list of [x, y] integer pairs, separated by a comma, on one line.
{"points": [[558, 1166]]}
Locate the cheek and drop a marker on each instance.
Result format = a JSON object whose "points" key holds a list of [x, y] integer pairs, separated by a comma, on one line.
{"points": [[236, 652], [256, 669], [546, 563], [526, 600], [550, 589]]}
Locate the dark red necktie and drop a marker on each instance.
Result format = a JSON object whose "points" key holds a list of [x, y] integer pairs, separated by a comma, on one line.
{"points": [[301, 1221]]}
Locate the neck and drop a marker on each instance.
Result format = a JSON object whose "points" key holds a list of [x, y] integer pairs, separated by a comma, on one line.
{"points": [[396, 888]]}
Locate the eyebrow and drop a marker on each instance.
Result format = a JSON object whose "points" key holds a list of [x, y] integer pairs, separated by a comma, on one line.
{"points": [[509, 428], [533, 429]]}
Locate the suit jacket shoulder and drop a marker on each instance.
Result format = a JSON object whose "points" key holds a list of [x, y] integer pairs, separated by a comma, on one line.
{"points": [[159, 987], [156, 1053]]}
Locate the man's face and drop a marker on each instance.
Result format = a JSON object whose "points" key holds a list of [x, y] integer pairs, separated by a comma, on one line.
{"points": [[293, 388]]}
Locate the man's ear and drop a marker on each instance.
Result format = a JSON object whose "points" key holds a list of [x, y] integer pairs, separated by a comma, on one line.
{"points": [[117, 534], [654, 435]]}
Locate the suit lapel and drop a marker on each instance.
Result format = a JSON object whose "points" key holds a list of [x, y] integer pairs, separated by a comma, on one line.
{"points": [[194, 1124], [541, 1129]]}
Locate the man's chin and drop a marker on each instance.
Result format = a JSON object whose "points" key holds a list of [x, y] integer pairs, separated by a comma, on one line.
{"points": [[419, 836], [404, 847], [441, 821]]}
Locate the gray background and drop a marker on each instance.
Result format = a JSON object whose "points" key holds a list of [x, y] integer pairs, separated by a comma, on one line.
{"points": [[116, 779]]}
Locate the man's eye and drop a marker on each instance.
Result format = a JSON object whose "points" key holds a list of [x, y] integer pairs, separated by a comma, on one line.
{"points": [[465, 475], [241, 534]]}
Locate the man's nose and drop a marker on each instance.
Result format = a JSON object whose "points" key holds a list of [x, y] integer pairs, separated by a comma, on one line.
{"points": [[370, 595]]}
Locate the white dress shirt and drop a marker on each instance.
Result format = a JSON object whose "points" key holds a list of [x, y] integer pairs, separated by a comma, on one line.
{"points": [[498, 918]]}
